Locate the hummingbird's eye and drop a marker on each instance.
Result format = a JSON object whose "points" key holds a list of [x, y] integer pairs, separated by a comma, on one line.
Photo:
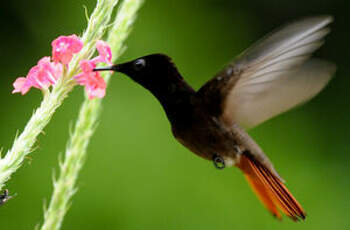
{"points": [[219, 162], [139, 64]]}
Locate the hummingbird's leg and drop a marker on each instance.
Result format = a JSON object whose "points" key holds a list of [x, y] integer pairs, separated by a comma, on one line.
{"points": [[219, 162]]}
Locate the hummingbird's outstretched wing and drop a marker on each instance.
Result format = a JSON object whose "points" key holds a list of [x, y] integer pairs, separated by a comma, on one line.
{"points": [[272, 76]]}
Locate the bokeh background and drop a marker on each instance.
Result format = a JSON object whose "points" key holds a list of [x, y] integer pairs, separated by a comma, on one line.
{"points": [[136, 175]]}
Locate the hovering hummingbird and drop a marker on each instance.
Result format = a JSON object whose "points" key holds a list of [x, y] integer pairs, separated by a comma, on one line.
{"points": [[271, 77]]}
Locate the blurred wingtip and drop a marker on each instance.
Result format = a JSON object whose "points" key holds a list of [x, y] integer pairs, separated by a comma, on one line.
{"points": [[322, 65], [325, 18]]}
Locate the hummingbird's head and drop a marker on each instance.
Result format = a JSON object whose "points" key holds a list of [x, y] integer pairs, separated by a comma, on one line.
{"points": [[152, 71]]}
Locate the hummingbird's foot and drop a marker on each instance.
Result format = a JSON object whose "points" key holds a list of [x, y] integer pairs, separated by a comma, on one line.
{"points": [[219, 162]]}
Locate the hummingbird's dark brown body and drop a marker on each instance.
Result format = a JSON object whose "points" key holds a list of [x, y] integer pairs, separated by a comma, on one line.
{"points": [[204, 131], [269, 78]]}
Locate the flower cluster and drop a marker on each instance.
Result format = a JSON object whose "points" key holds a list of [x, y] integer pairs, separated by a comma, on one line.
{"points": [[41, 76], [49, 70], [95, 85]]}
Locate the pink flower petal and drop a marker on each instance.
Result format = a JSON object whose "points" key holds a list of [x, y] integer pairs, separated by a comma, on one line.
{"points": [[105, 52], [49, 71], [64, 47], [33, 78], [45, 73], [95, 85], [21, 86], [94, 92], [87, 66]]}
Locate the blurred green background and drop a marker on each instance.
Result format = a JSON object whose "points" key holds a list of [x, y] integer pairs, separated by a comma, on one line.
{"points": [[136, 175]]}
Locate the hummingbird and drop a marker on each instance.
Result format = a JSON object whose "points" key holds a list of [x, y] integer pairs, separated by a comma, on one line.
{"points": [[274, 75]]}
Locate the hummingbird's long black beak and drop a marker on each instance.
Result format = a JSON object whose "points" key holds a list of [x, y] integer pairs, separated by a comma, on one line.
{"points": [[107, 68]]}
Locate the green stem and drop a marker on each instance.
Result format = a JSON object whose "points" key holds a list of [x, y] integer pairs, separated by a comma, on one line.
{"points": [[64, 187], [23, 144]]}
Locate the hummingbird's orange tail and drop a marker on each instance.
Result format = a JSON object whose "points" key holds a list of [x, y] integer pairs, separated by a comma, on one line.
{"points": [[270, 189]]}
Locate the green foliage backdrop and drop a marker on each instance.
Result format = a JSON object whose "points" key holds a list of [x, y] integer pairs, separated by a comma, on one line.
{"points": [[136, 175]]}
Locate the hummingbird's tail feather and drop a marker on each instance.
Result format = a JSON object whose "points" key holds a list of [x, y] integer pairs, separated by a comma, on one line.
{"points": [[270, 189]]}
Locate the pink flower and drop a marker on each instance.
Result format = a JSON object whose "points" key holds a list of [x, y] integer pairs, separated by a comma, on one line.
{"points": [[41, 76], [21, 85], [64, 47], [50, 70], [95, 85], [45, 73], [105, 53]]}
